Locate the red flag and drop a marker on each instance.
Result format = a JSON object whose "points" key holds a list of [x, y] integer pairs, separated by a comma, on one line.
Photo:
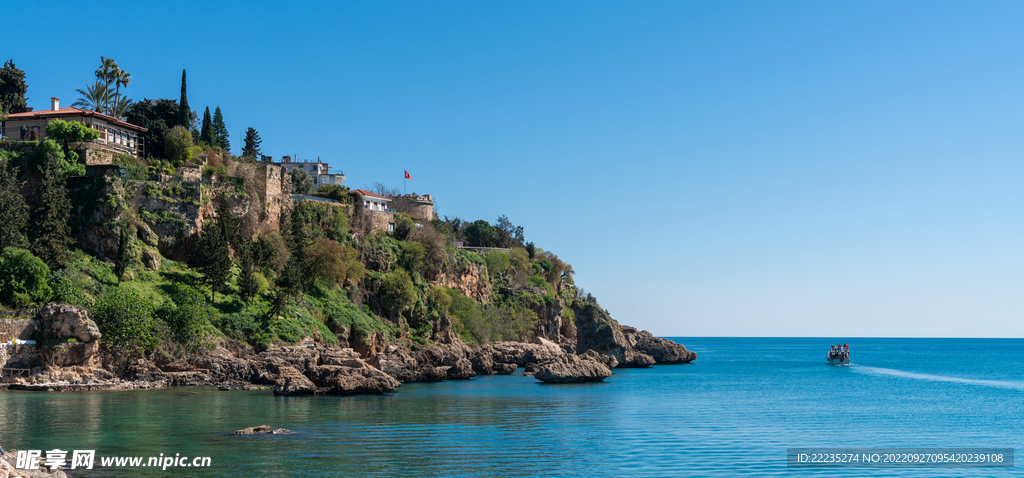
{"points": [[407, 176]]}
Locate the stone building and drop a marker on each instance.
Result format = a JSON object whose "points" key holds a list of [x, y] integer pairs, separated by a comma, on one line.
{"points": [[376, 208], [116, 136], [416, 206], [319, 171]]}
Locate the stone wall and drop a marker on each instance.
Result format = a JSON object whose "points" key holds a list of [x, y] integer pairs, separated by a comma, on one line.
{"points": [[380, 221], [96, 156], [416, 206], [275, 189], [17, 328]]}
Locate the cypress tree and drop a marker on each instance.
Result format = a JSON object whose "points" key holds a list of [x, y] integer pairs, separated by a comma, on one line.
{"points": [[213, 259], [13, 210], [125, 256], [184, 113], [220, 130], [206, 134], [13, 89], [52, 234], [247, 286], [252, 144]]}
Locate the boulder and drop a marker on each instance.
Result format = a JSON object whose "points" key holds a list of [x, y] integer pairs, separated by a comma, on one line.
{"points": [[505, 368], [461, 370], [71, 353], [597, 331], [660, 350], [152, 259], [69, 321], [344, 380], [573, 369], [291, 382], [607, 360]]}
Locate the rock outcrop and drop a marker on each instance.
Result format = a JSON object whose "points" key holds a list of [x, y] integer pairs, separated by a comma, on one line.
{"points": [[73, 338], [569, 368], [663, 351]]}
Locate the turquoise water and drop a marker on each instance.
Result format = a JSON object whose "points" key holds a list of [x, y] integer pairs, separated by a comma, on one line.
{"points": [[733, 412]]}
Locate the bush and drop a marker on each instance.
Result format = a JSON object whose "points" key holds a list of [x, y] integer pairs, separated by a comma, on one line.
{"points": [[301, 182], [23, 278], [178, 143], [189, 318], [125, 320], [497, 262], [65, 291], [412, 256], [403, 226], [396, 292]]}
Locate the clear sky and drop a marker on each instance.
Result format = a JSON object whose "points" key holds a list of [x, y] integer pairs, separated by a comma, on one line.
{"points": [[708, 168]]}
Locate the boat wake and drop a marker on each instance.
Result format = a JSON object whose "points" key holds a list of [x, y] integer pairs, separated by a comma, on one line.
{"points": [[941, 378]]}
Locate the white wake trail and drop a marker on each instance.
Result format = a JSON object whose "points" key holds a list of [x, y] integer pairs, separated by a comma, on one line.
{"points": [[941, 378]]}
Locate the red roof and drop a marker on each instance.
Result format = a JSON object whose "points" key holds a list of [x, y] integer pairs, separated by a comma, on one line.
{"points": [[363, 192], [72, 111]]}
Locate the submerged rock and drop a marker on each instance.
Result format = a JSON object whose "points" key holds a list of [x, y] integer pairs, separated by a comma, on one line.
{"points": [[262, 430], [573, 369]]}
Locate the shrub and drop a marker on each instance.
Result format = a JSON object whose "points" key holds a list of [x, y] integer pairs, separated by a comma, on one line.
{"points": [[189, 318], [178, 143], [413, 256], [65, 291], [403, 226], [125, 320], [23, 278], [396, 292], [497, 262]]}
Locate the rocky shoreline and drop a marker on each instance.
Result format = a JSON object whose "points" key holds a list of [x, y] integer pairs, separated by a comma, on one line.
{"points": [[75, 362]]}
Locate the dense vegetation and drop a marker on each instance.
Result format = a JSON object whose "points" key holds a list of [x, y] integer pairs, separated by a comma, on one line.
{"points": [[319, 273]]}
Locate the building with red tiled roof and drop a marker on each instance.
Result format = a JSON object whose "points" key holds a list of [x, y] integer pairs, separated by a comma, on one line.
{"points": [[116, 136], [376, 207]]}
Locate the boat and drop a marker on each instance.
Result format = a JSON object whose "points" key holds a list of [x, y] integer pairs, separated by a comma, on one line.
{"points": [[839, 355]]}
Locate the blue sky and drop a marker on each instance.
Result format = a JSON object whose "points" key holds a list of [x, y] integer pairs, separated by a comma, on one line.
{"points": [[709, 168]]}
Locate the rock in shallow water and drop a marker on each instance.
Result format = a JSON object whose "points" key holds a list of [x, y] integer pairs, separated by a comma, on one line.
{"points": [[262, 430], [573, 369]]}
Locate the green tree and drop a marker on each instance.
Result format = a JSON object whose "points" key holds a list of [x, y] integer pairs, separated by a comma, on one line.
{"points": [[213, 259], [121, 78], [190, 318], [177, 143], [13, 90], [23, 278], [107, 73], [68, 132], [206, 135], [482, 234], [251, 150], [248, 286], [227, 222], [13, 210], [397, 292], [184, 114], [93, 97], [220, 130], [125, 253], [301, 182], [158, 116], [125, 320], [52, 234], [403, 227]]}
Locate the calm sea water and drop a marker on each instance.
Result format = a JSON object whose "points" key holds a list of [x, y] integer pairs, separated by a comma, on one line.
{"points": [[733, 412]]}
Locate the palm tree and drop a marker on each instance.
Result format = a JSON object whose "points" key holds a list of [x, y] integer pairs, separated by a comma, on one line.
{"points": [[106, 73], [121, 78], [119, 108], [93, 97]]}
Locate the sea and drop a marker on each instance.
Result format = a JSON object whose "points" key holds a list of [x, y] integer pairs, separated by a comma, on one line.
{"points": [[735, 411]]}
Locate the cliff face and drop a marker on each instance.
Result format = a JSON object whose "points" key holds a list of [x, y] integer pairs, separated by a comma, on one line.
{"points": [[168, 216]]}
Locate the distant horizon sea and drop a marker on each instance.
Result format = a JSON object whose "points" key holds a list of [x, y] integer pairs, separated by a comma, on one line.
{"points": [[732, 412]]}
